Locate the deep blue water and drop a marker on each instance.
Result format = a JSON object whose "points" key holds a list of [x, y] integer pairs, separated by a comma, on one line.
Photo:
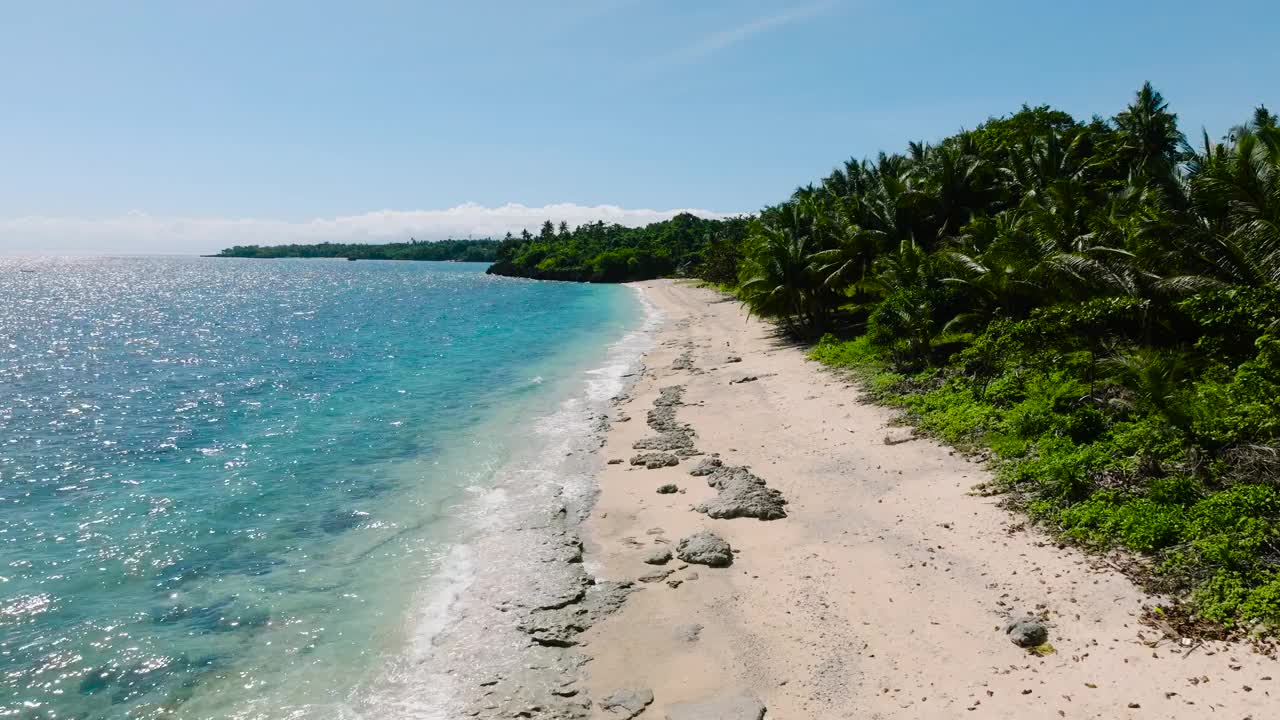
{"points": [[222, 482]]}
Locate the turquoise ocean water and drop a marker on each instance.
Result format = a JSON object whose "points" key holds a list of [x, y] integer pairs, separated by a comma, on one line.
{"points": [[229, 488]]}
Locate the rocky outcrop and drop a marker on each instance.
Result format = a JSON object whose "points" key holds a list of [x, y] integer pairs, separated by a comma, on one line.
{"points": [[628, 702], [559, 626], [530, 615], [684, 361], [655, 460], [705, 548], [729, 707], [742, 494], [706, 466], [673, 436]]}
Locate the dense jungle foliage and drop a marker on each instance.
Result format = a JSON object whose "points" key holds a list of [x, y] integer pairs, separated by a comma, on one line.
{"points": [[1096, 303], [596, 252], [460, 250]]}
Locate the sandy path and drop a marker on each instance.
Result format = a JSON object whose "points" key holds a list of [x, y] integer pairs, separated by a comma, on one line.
{"points": [[880, 595]]}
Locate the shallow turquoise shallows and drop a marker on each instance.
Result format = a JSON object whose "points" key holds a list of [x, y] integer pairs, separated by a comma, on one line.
{"points": [[223, 483]]}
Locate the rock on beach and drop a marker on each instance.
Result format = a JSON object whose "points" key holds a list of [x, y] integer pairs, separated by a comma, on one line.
{"points": [[655, 460], [705, 548], [628, 702]]}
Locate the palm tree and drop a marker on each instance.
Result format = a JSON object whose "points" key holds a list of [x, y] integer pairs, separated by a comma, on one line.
{"points": [[848, 263], [778, 278], [954, 179], [1150, 143], [1237, 191], [1155, 380], [1040, 161]]}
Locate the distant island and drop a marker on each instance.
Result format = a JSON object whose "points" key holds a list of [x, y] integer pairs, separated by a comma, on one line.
{"points": [[447, 250], [684, 246]]}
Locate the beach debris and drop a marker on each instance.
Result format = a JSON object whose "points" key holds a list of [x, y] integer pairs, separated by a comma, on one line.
{"points": [[706, 466], [684, 361], [668, 489], [1026, 632], [733, 359], [655, 460], [729, 707], [742, 494], [705, 548], [628, 702], [658, 556], [688, 632], [743, 379]]}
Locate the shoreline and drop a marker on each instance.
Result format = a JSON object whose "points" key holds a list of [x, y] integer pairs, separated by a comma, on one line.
{"points": [[884, 592], [494, 633]]}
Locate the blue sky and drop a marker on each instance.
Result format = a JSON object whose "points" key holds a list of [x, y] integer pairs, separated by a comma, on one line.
{"points": [[142, 126]]}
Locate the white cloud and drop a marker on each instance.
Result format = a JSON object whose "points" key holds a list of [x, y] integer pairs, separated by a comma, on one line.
{"points": [[143, 233], [721, 39]]}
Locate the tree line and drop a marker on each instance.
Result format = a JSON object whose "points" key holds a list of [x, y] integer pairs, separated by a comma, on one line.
{"points": [[600, 252], [456, 250]]}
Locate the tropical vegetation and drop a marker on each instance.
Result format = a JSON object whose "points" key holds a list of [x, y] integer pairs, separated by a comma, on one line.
{"points": [[1096, 304], [685, 245]]}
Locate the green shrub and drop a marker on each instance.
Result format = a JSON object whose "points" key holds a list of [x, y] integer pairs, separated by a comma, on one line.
{"points": [[1048, 404], [952, 413], [1230, 529], [853, 354], [1058, 469], [1234, 599], [1175, 490], [904, 325], [1137, 523]]}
